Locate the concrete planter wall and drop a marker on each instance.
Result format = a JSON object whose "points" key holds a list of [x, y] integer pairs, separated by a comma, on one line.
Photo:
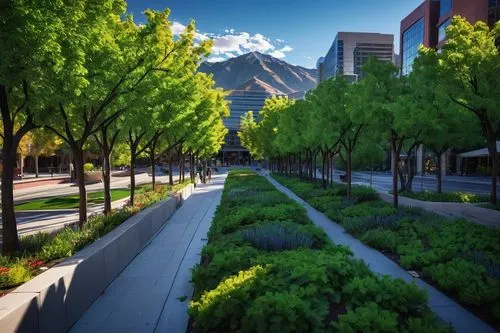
{"points": [[54, 300]]}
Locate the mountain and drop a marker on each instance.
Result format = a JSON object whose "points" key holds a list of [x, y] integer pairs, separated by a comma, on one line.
{"points": [[262, 72]]}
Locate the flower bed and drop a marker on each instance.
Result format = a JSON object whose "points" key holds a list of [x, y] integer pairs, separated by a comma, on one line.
{"points": [[43, 250], [267, 268], [458, 257]]}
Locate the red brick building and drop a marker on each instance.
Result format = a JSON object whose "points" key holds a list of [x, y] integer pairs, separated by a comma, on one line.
{"points": [[427, 24]]}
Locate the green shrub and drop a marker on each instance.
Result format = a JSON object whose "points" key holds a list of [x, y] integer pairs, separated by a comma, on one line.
{"points": [[283, 312], [223, 264], [381, 239], [495, 310], [32, 244], [321, 203], [242, 286], [464, 197], [376, 208], [364, 193], [224, 307], [88, 167], [390, 294], [368, 318], [467, 279]]}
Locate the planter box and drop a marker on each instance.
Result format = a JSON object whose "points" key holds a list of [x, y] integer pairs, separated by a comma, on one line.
{"points": [[54, 300], [92, 177]]}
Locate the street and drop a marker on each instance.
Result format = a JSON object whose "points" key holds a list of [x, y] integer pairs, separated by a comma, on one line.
{"points": [[30, 222], [383, 182]]}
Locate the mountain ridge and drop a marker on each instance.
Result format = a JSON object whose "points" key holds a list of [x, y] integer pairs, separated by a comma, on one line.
{"points": [[265, 71]]}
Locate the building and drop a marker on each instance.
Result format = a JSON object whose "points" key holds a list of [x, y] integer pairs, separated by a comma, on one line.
{"points": [[350, 51], [426, 25], [320, 66], [248, 97]]}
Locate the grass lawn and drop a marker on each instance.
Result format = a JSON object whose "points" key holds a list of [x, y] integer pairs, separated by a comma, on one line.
{"points": [[71, 201]]}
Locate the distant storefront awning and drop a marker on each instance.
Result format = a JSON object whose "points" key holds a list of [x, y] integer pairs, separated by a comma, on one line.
{"points": [[479, 152]]}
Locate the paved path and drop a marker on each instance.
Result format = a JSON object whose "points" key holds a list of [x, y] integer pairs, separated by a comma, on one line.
{"points": [[473, 213], [449, 311], [145, 296]]}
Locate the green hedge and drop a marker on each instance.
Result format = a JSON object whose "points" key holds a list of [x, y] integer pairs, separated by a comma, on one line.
{"points": [[43, 248], [267, 268], [461, 258]]}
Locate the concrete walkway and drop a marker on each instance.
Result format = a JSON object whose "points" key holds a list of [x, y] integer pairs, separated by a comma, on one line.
{"points": [[440, 304], [153, 291], [473, 213]]}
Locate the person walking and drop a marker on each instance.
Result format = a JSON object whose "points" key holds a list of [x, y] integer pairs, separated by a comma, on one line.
{"points": [[209, 174]]}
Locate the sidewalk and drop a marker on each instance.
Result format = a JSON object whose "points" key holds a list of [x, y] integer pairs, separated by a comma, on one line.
{"points": [[478, 215], [153, 291], [444, 307]]}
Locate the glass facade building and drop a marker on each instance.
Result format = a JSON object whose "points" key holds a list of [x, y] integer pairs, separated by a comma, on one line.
{"points": [[445, 7], [350, 51], [413, 37], [442, 30]]}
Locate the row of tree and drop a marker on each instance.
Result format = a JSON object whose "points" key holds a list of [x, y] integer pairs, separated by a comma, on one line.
{"points": [[86, 72], [451, 99]]}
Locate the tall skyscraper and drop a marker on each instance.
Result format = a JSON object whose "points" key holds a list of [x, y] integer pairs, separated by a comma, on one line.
{"points": [[350, 51]]}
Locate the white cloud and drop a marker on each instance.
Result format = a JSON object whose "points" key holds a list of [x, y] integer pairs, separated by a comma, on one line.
{"points": [[216, 59], [179, 28], [278, 54], [231, 44]]}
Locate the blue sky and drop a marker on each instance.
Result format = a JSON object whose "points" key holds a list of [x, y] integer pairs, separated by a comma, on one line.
{"points": [[297, 31]]}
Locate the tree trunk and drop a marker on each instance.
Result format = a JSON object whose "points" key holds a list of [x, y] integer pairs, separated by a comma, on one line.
{"points": [[438, 174], [10, 241], [82, 192], [349, 171], [106, 177], [132, 176], [37, 173], [152, 161], [492, 149], [170, 167], [395, 163]]}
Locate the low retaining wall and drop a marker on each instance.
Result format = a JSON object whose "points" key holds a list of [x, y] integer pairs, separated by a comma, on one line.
{"points": [[54, 300]]}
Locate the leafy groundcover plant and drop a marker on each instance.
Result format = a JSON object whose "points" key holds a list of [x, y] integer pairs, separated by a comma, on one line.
{"points": [[267, 268], [463, 197], [45, 249], [459, 257]]}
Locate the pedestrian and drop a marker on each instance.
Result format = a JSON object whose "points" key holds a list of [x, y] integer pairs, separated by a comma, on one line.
{"points": [[209, 174]]}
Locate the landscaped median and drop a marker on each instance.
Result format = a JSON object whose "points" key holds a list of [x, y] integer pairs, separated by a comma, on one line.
{"points": [[456, 256], [56, 298], [267, 268]]}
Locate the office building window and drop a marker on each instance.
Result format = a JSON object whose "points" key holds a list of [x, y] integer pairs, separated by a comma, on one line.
{"points": [[442, 30], [413, 37], [445, 7], [340, 57], [493, 3]]}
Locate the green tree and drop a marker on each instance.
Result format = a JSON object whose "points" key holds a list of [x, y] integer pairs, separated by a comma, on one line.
{"points": [[470, 67], [40, 54], [445, 126]]}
